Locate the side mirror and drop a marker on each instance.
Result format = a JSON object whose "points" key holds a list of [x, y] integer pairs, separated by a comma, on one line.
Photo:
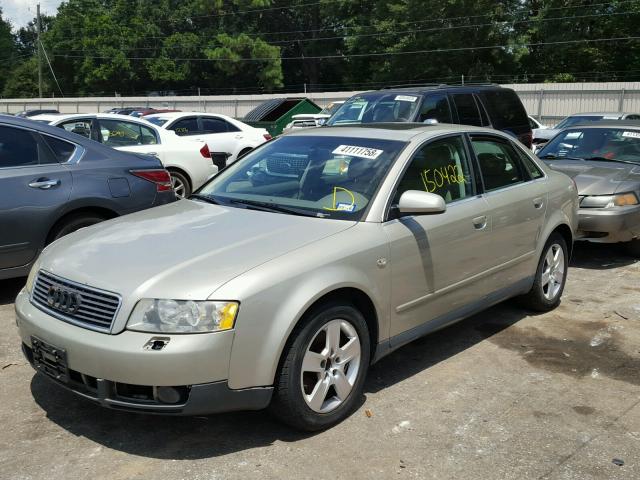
{"points": [[430, 121], [417, 202]]}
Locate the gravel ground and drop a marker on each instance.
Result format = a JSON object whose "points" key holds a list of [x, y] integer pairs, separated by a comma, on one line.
{"points": [[502, 395]]}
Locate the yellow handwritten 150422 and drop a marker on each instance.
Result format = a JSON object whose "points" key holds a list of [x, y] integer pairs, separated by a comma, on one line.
{"points": [[436, 178], [334, 207]]}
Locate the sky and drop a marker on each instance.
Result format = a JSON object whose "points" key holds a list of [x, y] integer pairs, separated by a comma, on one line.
{"points": [[19, 12]]}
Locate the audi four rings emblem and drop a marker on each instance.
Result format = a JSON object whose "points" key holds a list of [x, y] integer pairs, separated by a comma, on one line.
{"points": [[64, 300]]}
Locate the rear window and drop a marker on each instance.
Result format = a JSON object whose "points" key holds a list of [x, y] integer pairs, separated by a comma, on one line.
{"points": [[159, 121], [505, 109]]}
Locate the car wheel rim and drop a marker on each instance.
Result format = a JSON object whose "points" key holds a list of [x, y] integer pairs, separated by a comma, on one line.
{"points": [[330, 366], [553, 272], [178, 186]]}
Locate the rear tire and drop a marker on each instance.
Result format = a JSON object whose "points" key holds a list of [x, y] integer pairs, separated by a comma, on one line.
{"points": [[551, 276], [633, 247], [323, 370], [243, 153], [73, 223], [180, 183]]}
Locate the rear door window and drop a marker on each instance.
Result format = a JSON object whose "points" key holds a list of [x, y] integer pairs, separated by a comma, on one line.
{"points": [[504, 108], [499, 162], [435, 106], [216, 125], [185, 127], [62, 150], [468, 113]]}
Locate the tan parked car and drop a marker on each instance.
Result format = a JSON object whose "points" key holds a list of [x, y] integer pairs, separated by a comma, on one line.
{"points": [[281, 280]]}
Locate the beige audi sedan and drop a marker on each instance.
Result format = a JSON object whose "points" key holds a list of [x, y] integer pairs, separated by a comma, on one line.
{"points": [[282, 279]]}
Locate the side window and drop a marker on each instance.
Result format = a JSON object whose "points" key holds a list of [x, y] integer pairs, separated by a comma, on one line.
{"points": [[148, 136], [18, 148], [186, 126], [81, 127], [440, 167], [529, 165], [532, 124], [498, 161], [435, 106], [213, 125], [633, 117], [120, 134], [61, 149], [468, 113]]}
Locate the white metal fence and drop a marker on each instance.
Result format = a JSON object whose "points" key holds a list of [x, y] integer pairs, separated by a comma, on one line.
{"points": [[547, 101]]}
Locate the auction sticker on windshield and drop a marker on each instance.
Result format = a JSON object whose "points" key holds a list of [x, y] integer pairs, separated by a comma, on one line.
{"points": [[631, 134], [355, 151], [406, 98]]}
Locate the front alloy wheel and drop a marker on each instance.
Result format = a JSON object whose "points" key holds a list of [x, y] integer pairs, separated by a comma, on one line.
{"points": [[330, 366], [323, 368]]}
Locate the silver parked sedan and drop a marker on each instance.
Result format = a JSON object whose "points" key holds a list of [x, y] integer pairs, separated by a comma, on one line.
{"points": [[280, 281], [604, 160]]}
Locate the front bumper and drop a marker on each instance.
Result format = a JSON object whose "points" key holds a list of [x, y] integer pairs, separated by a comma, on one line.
{"points": [[609, 225], [202, 399], [117, 371]]}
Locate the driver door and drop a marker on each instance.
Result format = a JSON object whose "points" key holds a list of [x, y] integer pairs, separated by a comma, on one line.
{"points": [[437, 260]]}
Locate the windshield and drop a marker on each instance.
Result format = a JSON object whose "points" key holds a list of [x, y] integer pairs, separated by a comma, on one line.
{"points": [[576, 119], [621, 144], [159, 121], [332, 177], [331, 108], [376, 107]]}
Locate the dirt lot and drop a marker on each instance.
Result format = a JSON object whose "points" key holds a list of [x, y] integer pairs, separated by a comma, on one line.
{"points": [[502, 395]]}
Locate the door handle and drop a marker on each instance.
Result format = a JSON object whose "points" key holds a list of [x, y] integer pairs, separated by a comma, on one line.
{"points": [[44, 183], [155, 154], [538, 202], [239, 137], [480, 222]]}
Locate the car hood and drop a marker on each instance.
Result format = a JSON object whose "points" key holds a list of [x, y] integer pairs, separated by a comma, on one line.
{"points": [[599, 178], [184, 250]]}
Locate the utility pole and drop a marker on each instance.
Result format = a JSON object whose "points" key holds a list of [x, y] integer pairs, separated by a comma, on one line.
{"points": [[38, 28]]}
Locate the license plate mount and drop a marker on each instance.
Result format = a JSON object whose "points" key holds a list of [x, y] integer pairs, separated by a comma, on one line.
{"points": [[50, 360]]}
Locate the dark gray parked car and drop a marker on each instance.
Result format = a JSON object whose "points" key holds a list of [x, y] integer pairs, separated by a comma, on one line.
{"points": [[53, 182], [603, 157]]}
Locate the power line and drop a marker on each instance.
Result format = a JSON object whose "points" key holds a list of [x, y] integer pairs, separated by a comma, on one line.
{"points": [[375, 54], [51, 68], [514, 14], [380, 34], [268, 9]]}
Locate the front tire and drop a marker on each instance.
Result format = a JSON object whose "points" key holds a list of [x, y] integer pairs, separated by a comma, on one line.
{"points": [[73, 223], [322, 374], [551, 276]]}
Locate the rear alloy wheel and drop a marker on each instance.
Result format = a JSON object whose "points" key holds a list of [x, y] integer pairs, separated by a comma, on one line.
{"points": [[180, 184], [550, 276], [323, 371], [73, 223]]}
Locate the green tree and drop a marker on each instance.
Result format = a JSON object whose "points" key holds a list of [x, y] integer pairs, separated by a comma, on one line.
{"points": [[8, 49]]}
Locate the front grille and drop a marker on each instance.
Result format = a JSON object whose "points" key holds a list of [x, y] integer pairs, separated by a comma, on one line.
{"points": [[97, 308]]}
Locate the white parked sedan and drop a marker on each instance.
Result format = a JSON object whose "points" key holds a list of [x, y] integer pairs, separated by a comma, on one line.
{"points": [[188, 161], [222, 133]]}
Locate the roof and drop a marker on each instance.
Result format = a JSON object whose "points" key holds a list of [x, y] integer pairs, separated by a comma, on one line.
{"points": [[419, 89], [607, 124], [402, 131], [71, 116], [602, 114]]}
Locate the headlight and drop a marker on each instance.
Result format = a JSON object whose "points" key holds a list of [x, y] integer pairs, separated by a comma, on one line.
{"points": [[182, 316], [32, 276], [623, 199]]}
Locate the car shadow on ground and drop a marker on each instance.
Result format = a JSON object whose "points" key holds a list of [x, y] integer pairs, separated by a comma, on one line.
{"points": [[10, 288], [600, 256], [204, 437]]}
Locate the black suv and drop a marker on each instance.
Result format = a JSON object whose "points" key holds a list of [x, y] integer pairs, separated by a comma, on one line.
{"points": [[485, 105]]}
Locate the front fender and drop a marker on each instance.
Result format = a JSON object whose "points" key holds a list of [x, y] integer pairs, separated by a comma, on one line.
{"points": [[274, 301]]}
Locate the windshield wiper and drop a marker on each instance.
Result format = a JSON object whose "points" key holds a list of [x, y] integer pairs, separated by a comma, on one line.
{"points": [[271, 207], [206, 198], [605, 159], [551, 156]]}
